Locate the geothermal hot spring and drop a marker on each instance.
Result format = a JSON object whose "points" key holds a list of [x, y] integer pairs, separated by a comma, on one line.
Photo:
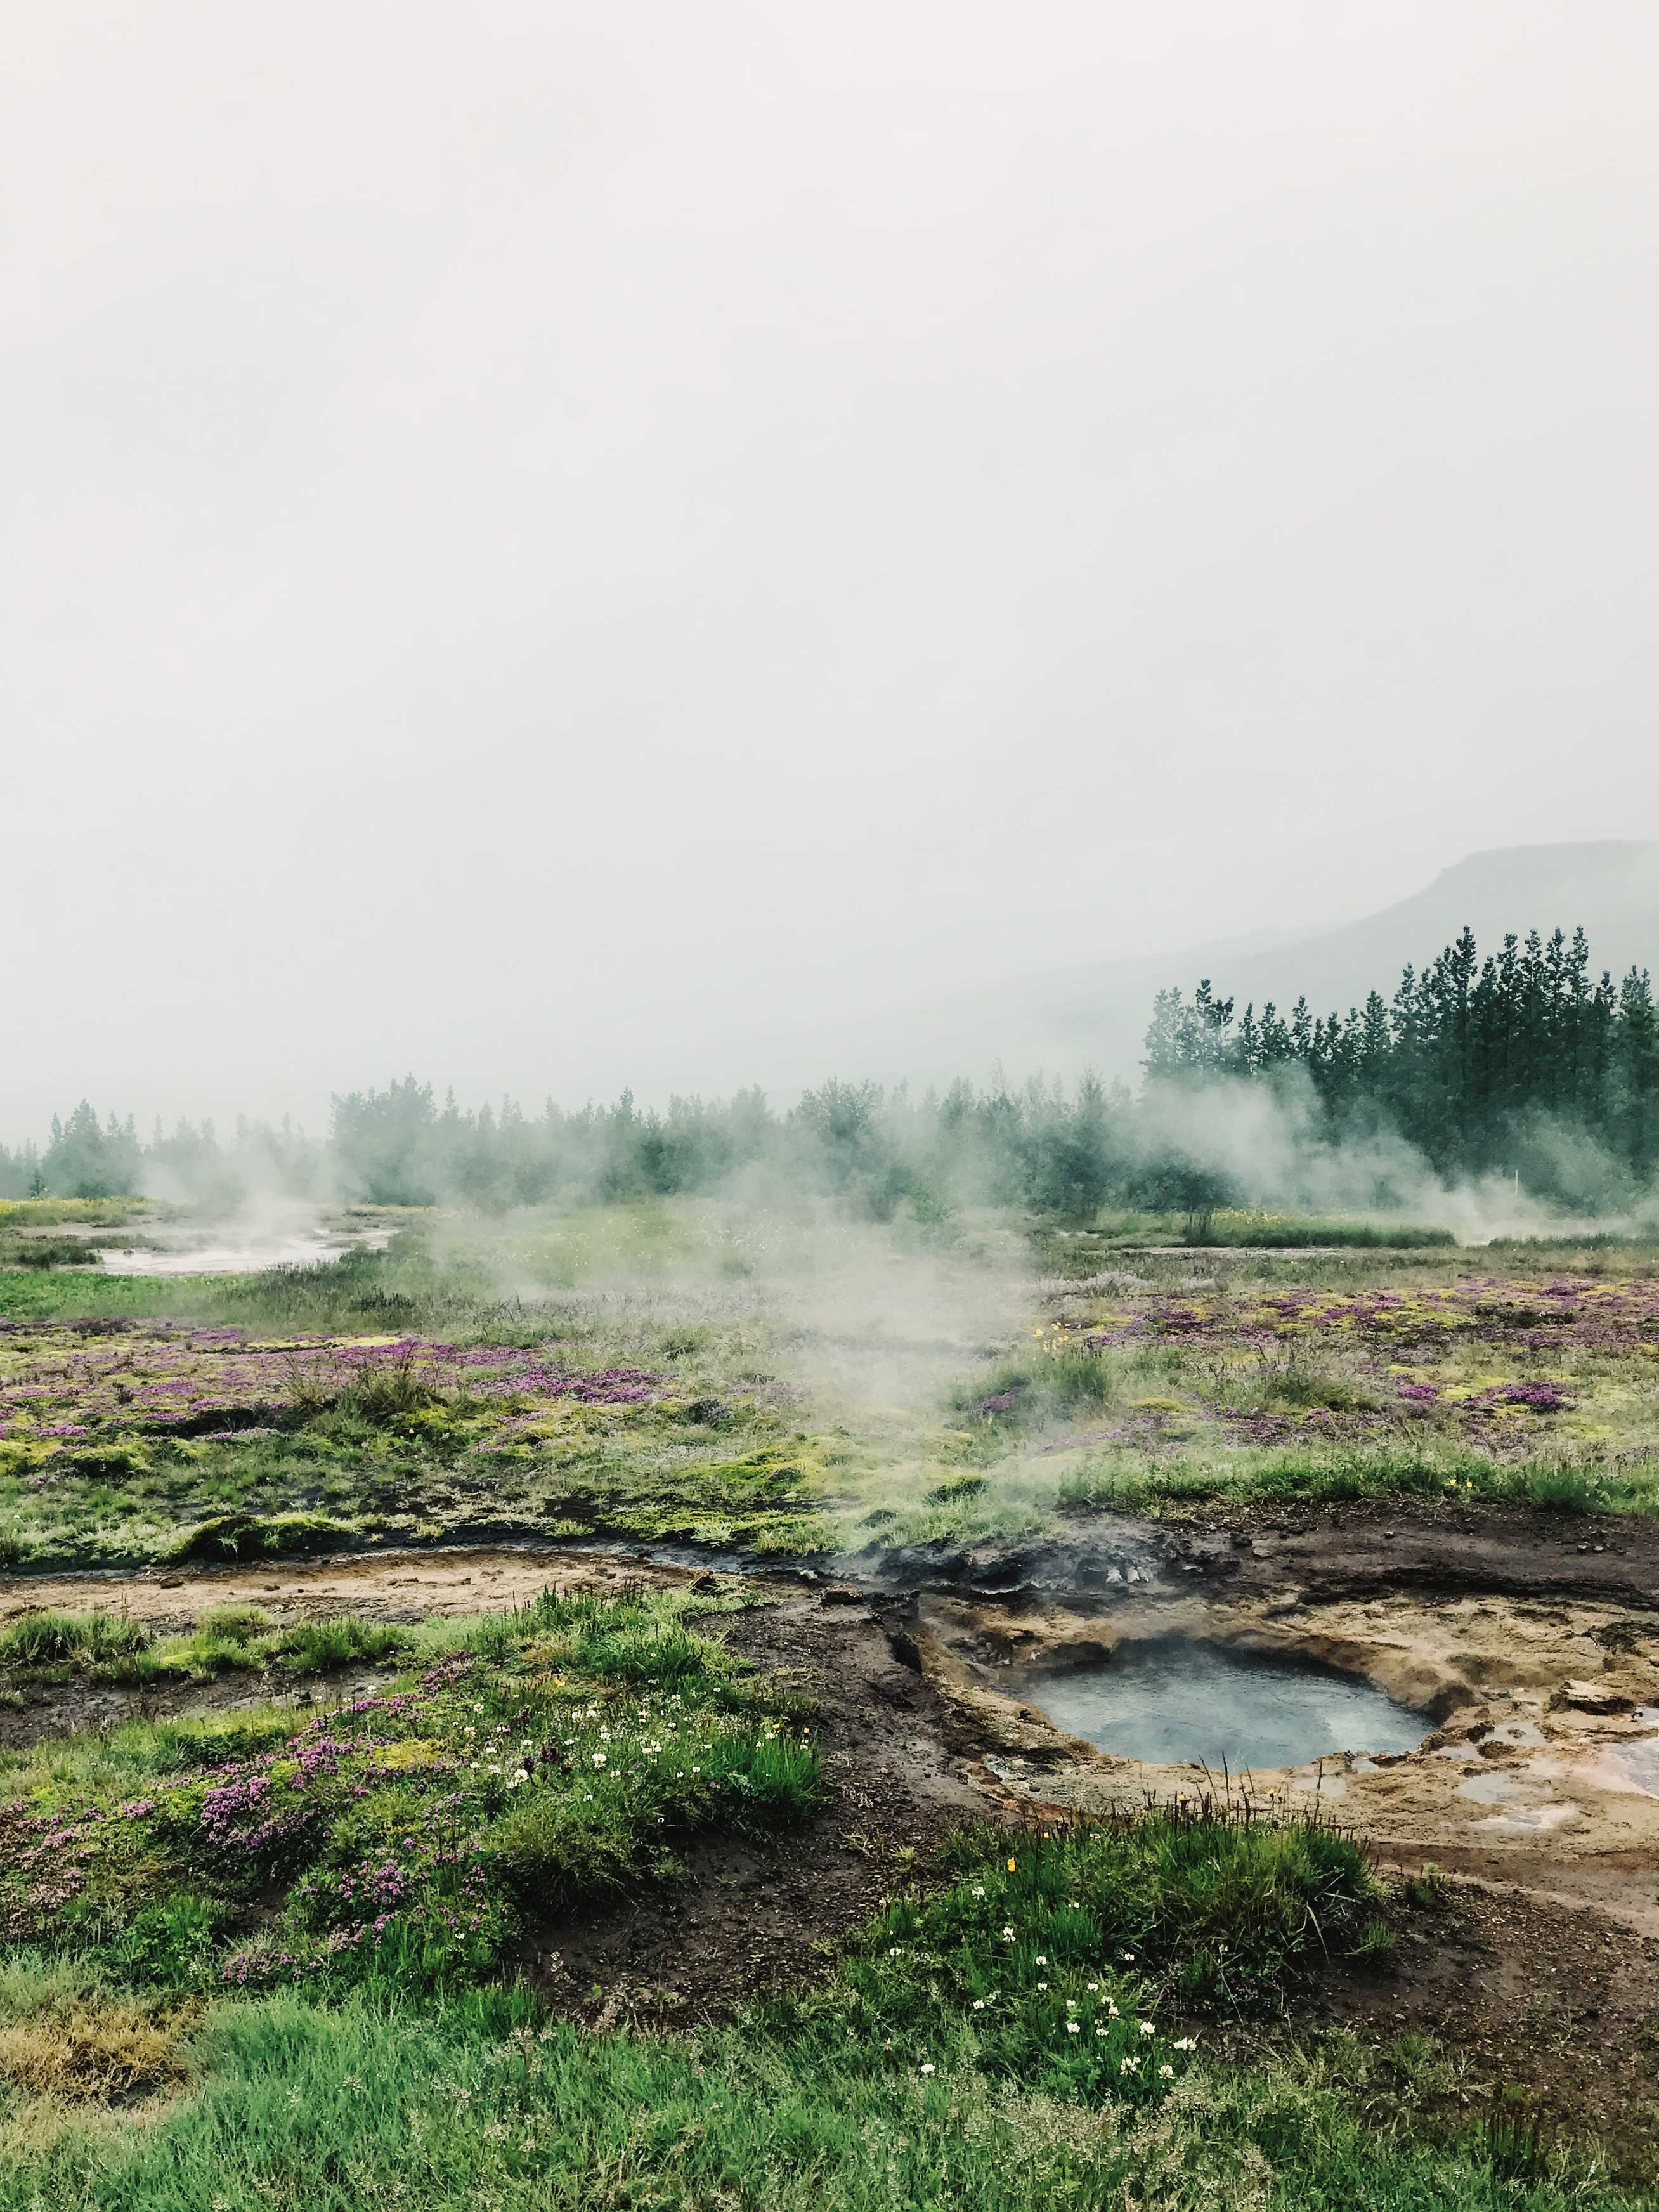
{"points": [[1172, 1702]]}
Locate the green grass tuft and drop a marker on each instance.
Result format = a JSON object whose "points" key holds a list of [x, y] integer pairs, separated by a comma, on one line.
{"points": [[260, 1536], [48, 1638]]}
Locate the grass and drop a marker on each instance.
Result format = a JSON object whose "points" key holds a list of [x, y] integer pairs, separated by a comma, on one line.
{"points": [[107, 1648], [68, 2036], [1274, 1381], [242, 1535], [1078, 1252], [937, 2066], [92, 1640], [1214, 1908], [46, 1252], [398, 1449], [225, 1990], [524, 1762], [81, 1212], [778, 1421]]}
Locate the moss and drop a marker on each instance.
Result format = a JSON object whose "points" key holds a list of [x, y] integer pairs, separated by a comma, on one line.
{"points": [[252, 1536]]}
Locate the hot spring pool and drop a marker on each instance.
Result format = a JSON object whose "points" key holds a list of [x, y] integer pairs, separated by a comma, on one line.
{"points": [[1173, 1702]]}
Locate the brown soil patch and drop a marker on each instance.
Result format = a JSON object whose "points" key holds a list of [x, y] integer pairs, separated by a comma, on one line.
{"points": [[381, 1586], [1551, 2015], [1518, 1551], [1328, 1550], [757, 1916]]}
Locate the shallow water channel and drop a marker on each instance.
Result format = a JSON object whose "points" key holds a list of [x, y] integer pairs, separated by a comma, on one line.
{"points": [[1171, 1702]]}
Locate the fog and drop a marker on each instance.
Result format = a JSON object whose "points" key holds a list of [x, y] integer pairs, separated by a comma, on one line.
{"points": [[862, 1318], [559, 546]]}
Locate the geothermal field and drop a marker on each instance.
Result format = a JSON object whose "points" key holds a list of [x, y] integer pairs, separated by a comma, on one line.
{"points": [[700, 1702], [830, 1107]]}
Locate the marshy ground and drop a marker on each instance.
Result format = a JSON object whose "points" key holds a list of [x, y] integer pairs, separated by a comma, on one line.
{"points": [[888, 1489]]}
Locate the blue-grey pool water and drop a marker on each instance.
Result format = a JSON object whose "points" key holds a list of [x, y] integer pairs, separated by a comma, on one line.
{"points": [[1171, 1701]]}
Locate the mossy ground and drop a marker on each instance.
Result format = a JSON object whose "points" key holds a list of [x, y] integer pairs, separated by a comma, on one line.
{"points": [[1155, 1382]]}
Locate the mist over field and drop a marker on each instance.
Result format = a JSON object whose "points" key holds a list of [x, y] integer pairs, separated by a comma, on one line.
{"points": [[561, 549], [829, 1107]]}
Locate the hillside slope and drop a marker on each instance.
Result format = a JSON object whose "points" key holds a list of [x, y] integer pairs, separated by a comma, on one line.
{"points": [[1097, 1015]]}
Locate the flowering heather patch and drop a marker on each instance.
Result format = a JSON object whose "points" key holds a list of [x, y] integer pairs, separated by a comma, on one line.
{"points": [[217, 1383], [1619, 1318], [152, 1442], [1487, 1357], [412, 1832], [1539, 1397]]}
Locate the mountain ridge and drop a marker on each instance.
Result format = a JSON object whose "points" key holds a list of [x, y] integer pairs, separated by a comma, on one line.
{"points": [[1096, 1013]]}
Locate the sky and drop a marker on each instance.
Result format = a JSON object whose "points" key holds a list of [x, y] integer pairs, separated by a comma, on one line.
{"points": [[560, 545]]}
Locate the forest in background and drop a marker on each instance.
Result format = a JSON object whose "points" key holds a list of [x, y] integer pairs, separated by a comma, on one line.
{"points": [[1521, 1066]]}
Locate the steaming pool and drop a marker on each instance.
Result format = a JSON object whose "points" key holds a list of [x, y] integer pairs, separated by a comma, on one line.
{"points": [[239, 1248], [1175, 1703]]}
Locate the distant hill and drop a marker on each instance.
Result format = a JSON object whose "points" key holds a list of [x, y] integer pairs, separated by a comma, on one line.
{"points": [[1097, 1014]]}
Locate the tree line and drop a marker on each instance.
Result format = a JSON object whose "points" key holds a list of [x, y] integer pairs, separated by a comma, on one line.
{"points": [[1519, 1063], [1041, 1144], [1474, 1062]]}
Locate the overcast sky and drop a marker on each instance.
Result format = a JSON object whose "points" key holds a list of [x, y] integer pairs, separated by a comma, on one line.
{"points": [[549, 543]]}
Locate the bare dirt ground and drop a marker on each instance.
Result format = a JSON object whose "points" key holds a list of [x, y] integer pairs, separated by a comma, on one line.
{"points": [[1536, 1969], [1556, 2009]]}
